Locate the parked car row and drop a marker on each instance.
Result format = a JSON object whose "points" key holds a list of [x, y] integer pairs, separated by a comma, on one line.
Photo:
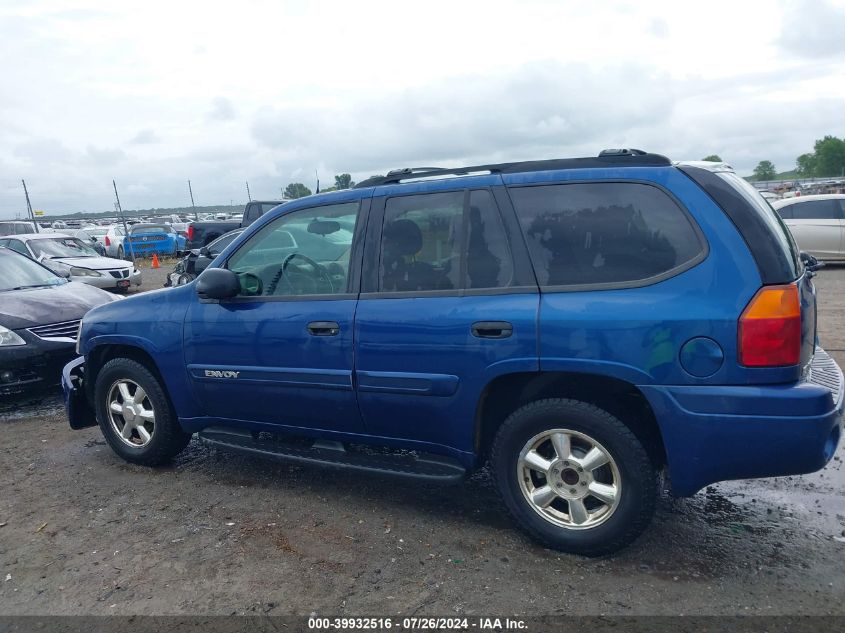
{"points": [[70, 256], [40, 312]]}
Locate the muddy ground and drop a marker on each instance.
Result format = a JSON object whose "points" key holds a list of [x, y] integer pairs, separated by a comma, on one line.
{"points": [[85, 533]]}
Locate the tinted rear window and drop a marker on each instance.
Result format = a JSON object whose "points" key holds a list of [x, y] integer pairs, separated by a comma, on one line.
{"points": [[605, 233], [777, 230]]}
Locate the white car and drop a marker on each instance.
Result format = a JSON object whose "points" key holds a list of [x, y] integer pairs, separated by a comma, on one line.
{"points": [[817, 223], [89, 233], [65, 255], [113, 241]]}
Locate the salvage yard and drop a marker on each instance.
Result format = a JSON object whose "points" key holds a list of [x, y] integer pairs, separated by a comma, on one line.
{"points": [[83, 532]]}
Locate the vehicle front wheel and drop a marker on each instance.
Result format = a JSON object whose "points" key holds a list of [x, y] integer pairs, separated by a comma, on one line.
{"points": [[134, 414], [573, 476]]}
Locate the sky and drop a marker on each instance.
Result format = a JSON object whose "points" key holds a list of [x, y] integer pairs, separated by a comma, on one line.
{"points": [[152, 93]]}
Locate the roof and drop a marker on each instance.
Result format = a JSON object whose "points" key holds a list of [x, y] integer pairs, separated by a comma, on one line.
{"points": [[607, 158], [777, 204]]}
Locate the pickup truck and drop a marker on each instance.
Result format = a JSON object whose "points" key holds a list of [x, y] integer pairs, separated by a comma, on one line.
{"points": [[203, 233]]}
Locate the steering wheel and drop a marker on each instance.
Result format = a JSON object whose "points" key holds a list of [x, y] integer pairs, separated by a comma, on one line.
{"points": [[319, 274]]}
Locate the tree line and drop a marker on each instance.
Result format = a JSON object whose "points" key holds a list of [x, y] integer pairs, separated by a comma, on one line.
{"points": [[298, 190], [826, 160]]}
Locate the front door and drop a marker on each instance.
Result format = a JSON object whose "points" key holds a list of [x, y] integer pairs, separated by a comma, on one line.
{"points": [[450, 304], [280, 353]]}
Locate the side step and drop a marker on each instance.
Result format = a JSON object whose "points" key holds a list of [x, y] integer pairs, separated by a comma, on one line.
{"points": [[327, 453]]}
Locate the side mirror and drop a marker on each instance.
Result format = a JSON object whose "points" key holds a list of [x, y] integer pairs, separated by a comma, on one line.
{"points": [[217, 283], [811, 263], [63, 273], [205, 252]]}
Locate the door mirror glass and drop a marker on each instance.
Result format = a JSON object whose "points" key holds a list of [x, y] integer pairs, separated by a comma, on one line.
{"points": [[218, 283]]}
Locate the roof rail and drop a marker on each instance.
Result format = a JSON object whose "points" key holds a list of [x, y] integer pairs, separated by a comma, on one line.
{"points": [[607, 158]]}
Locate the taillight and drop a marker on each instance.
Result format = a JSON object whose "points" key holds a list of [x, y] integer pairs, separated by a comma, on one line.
{"points": [[770, 328], [191, 233], [108, 241]]}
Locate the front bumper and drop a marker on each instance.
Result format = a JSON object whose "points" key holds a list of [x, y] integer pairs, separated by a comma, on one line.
{"points": [[718, 433], [80, 413], [108, 281], [37, 364]]}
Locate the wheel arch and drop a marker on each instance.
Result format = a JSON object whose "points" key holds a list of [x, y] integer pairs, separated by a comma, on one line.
{"points": [[99, 355], [506, 393]]}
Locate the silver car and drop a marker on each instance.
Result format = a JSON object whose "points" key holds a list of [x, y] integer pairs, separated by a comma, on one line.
{"points": [[66, 254], [817, 223]]}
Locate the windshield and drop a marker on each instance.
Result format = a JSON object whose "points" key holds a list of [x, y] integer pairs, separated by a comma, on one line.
{"points": [[139, 230], [61, 247], [17, 271]]}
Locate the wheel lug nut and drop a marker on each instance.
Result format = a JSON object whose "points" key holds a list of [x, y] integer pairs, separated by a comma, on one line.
{"points": [[566, 463], [583, 483], [572, 490], [560, 485], [580, 470]]}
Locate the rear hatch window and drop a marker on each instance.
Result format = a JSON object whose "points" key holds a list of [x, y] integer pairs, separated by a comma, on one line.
{"points": [[778, 230]]}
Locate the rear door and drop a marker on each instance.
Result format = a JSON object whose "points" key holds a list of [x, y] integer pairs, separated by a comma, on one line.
{"points": [[448, 303], [816, 226]]}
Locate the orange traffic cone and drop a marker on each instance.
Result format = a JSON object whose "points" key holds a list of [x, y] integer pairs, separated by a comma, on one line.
{"points": [[155, 263]]}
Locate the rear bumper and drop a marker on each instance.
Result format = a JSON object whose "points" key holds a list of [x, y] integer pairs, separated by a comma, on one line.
{"points": [[717, 433], [80, 413]]}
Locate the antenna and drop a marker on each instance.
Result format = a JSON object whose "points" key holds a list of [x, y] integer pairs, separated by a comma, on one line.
{"points": [[193, 206], [122, 217], [29, 207], [249, 197]]}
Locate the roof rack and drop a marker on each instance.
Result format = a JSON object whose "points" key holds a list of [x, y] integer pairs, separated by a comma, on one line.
{"points": [[606, 158]]}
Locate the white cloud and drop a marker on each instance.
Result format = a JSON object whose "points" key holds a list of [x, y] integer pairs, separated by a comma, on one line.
{"points": [[152, 93]]}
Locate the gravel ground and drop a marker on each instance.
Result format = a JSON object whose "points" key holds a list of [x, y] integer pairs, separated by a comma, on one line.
{"points": [[85, 533]]}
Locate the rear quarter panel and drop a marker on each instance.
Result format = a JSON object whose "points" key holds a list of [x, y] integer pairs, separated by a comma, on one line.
{"points": [[636, 334]]}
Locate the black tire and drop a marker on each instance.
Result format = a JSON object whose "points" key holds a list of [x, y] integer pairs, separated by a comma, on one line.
{"points": [[167, 438], [120, 252], [637, 498]]}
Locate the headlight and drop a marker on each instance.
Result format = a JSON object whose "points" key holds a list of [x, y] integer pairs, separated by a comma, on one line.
{"points": [[9, 338], [84, 272]]}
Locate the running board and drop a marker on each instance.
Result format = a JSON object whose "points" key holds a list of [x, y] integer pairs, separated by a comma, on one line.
{"points": [[330, 453]]}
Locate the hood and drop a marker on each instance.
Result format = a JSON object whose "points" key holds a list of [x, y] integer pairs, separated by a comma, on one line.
{"points": [[95, 263], [53, 304]]}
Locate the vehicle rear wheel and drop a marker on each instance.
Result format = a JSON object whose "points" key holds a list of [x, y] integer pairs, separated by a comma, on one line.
{"points": [[573, 476], [134, 414], [120, 252]]}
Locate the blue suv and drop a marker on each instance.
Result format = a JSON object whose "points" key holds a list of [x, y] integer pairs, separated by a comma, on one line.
{"points": [[582, 325]]}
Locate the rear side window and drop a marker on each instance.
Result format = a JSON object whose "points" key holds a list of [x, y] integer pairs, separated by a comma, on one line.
{"points": [[612, 233], [816, 210], [444, 241], [420, 247]]}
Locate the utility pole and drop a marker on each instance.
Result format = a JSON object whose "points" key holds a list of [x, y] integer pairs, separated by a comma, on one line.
{"points": [[29, 207], [122, 217], [249, 197], [193, 206], [317, 176]]}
